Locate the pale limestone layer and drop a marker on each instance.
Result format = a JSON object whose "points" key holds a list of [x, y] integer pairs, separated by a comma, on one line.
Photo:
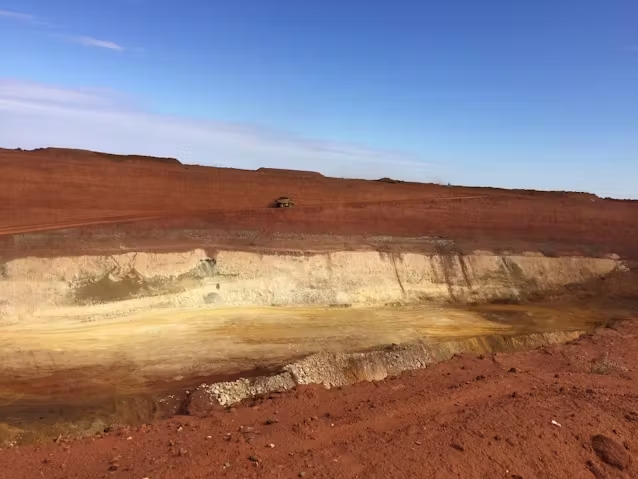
{"points": [[186, 314], [95, 287]]}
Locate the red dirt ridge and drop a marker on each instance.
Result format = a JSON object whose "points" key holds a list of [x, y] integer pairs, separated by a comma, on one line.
{"points": [[51, 189]]}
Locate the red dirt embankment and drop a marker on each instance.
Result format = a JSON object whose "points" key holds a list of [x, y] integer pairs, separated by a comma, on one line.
{"points": [[562, 412], [51, 188]]}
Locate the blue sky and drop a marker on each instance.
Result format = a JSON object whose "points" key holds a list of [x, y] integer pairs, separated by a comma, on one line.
{"points": [[518, 94]]}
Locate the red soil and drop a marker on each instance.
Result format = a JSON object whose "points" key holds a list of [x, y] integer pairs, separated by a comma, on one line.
{"points": [[52, 189], [471, 417]]}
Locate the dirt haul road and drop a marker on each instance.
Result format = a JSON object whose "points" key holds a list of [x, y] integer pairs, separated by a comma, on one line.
{"points": [[89, 221]]}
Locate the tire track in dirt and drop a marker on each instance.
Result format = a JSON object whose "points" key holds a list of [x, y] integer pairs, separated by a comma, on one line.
{"points": [[194, 213]]}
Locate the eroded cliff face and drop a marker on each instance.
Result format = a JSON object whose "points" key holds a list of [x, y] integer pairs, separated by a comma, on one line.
{"points": [[121, 284], [118, 324]]}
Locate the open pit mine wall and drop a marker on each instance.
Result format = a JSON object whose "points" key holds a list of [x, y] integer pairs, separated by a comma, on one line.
{"points": [[231, 278]]}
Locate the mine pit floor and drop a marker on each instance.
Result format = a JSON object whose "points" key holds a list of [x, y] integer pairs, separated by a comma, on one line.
{"points": [[66, 377]]}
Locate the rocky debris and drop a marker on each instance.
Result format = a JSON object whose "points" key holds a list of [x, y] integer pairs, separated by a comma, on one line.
{"points": [[343, 369], [227, 393], [595, 470], [212, 298], [198, 404], [114, 464], [632, 416], [329, 370], [604, 365], [610, 452]]}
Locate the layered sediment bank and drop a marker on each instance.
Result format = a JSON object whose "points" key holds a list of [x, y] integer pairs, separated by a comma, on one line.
{"points": [[230, 307], [112, 326], [97, 287]]}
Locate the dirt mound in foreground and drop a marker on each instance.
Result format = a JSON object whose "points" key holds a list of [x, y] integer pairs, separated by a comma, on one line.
{"points": [[562, 412]]}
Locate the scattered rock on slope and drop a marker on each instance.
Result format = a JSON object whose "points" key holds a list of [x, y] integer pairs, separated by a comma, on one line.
{"points": [[610, 451]]}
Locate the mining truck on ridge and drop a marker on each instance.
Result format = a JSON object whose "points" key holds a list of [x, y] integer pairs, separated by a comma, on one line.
{"points": [[284, 202]]}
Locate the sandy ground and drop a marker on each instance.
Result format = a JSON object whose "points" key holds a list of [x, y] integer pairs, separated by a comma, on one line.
{"points": [[215, 341], [191, 341], [568, 411]]}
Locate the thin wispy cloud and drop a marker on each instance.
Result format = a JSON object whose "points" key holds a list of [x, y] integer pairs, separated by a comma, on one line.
{"points": [[29, 92], [83, 40], [26, 18], [23, 17], [34, 115], [97, 43]]}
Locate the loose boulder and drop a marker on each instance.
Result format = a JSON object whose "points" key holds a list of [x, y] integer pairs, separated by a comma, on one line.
{"points": [[610, 452]]}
